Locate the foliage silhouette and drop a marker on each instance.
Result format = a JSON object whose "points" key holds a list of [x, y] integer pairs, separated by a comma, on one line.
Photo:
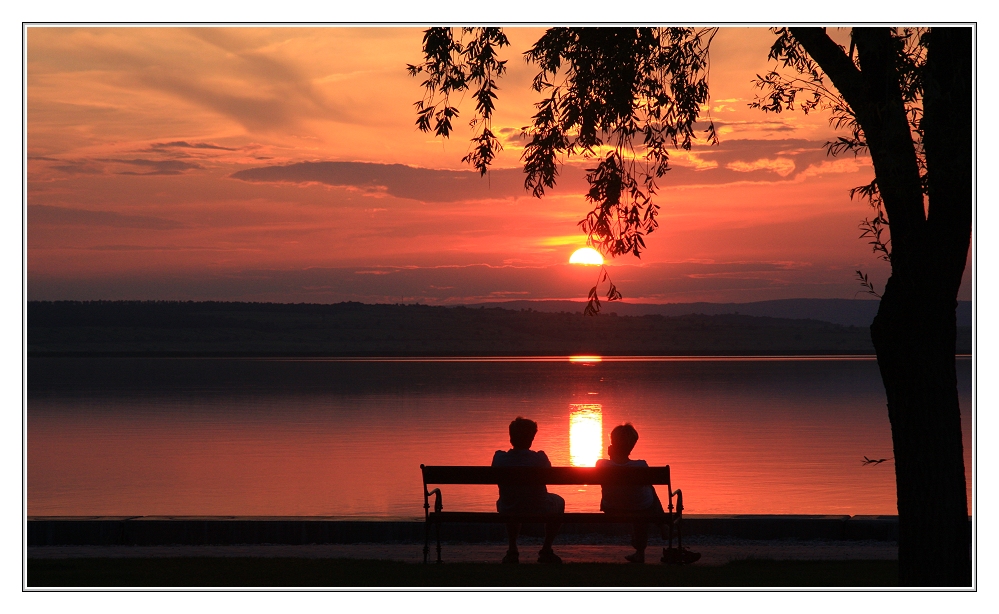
{"points": [[625, 96]]}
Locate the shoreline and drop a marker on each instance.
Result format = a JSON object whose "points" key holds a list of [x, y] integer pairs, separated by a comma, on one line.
{"points": [[303, 530]]}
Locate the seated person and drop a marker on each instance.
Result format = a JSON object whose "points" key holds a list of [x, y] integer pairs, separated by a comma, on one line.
{"points": [[527, 498], [629, 497]]}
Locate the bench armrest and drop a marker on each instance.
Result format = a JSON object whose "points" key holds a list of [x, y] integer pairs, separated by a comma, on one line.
{"points": [[679, 501], [438, 504]]}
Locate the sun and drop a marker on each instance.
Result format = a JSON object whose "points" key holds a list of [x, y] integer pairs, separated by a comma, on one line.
{"points": [[586, 255]]}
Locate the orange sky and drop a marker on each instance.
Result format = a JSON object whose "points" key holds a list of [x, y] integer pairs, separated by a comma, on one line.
{"points": [[283, 164]]}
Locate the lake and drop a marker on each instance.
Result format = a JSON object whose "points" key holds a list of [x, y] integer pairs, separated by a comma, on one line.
{"points": [[332, 437]]}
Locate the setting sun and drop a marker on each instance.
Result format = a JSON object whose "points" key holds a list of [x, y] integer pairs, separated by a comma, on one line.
{"points": [[586, 255]]}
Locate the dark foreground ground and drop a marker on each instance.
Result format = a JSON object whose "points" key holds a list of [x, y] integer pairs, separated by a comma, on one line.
{"points": [[288, 572]]}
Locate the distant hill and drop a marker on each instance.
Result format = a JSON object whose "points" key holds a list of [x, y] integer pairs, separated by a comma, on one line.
{"points": [[356, 329], [845, 312]]}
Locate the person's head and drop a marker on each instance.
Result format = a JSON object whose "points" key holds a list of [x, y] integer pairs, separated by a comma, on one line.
{"points": [[623, 440], [522, 432]]}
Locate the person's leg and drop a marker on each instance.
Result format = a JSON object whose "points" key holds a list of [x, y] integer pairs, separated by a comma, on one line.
{"points": [[640, 532], [640, 536], [551, 531], [554, 505], [657, 506], [639, 541], [512, 532]]}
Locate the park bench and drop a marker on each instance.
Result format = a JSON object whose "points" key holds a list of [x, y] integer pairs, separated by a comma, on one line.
{"points": [[442, 475]]}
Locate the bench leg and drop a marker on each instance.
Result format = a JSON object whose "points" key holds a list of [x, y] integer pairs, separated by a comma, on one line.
{"points": [[439, 560], [426, 541], [679, 535]]}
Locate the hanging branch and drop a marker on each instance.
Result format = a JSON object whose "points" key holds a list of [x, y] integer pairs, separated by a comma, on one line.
{"points": [[866, 283], [593, 302]]}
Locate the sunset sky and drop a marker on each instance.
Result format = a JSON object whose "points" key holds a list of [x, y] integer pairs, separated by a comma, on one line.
{"points": [[283, 164]]}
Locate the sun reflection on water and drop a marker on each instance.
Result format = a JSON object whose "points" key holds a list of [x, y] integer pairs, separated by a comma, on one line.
{"points": [[586, 360], [586, 434]]}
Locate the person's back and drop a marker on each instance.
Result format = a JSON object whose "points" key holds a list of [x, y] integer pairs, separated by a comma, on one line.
{"points": [[521, 498], [626, 497], [527, 498]]}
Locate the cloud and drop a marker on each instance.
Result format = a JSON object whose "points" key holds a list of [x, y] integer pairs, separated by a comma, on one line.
{"points": [[187, 145], [422, 184], [160, 167], [781, 166], [730, 127], [842, 165], [663, 282], [82, 168], [65, 216], [732, 161]]}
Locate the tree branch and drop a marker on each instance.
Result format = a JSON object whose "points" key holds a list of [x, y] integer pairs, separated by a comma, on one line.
{"points": [[836, 63]]}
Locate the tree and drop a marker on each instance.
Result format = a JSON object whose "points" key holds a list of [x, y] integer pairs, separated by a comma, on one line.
{"points": [[626, 96]]}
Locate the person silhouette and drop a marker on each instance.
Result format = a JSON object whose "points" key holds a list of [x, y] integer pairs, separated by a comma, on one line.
{"points": [[629, 497], [527, 498]]}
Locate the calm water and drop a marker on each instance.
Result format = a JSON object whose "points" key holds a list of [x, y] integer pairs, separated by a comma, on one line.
{"points": [[346, 438]]}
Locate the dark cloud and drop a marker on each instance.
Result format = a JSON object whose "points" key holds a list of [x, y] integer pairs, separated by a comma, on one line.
{"points": [[65, 216], [95, 167], [79, 169], [733, 160], [666, 282], [427, 185], [513, 135], [765, 126], [159, 167], [187, 145], [803, 152]]}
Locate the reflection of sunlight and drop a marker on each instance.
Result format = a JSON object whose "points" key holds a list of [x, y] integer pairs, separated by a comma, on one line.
{"points": [[586, 434], [585, 359]]}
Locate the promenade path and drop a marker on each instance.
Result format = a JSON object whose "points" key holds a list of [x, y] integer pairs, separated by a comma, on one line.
{"points": [[715, 550]]}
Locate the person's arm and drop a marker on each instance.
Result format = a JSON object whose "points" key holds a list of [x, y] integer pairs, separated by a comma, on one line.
{"points": [[543, 459], [496, 458]]}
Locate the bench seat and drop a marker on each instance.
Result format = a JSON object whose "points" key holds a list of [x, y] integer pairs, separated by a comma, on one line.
{"points": [[443, 475]]}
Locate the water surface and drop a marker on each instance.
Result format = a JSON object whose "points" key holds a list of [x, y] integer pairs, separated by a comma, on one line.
{"points": [[346, 437]]}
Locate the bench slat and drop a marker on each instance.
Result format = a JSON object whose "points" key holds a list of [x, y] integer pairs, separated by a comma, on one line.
{"points": [[545, 475]]}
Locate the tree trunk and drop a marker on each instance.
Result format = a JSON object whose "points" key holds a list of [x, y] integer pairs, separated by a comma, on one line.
{"points": [[920, 375], [914, 332], [915, 348]]}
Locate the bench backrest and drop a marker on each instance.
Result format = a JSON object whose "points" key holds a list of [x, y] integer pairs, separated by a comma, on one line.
{"points": [[544, 475]]}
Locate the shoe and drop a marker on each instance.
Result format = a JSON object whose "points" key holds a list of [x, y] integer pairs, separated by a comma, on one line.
{"points": [[548, 557], [674, 556], [511, 557], [638, 557]]}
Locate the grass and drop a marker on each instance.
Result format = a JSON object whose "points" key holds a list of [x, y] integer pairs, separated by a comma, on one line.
{"points": [[291, 572]]}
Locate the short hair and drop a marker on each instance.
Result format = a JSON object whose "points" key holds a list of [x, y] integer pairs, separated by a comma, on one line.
{"points": [[522, 432], [624, 437]]}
